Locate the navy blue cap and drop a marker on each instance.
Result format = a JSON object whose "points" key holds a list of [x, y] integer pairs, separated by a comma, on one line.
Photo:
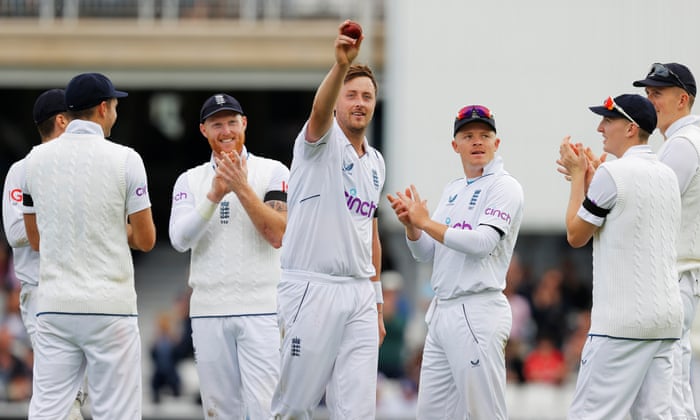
{"points": [[639, 108], [48, 104], [669, 74], [89, 89], [219, 102], [474, 113]]}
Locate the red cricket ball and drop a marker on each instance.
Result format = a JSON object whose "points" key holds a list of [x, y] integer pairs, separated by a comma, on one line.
{"points": [[352, 29]]}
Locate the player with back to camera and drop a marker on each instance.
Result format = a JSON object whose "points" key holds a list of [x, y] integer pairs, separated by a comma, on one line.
{"points": [[329, 296], [230, 213], [470, 239], [85, 204], [49, 115]]}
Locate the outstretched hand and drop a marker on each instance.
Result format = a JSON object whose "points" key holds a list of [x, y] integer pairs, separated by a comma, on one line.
{"points": [[346, 48]]}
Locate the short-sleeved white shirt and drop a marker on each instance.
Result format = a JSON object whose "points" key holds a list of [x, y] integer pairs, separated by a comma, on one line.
{"points": [[494, 199], [24, 258], [332, 200]]}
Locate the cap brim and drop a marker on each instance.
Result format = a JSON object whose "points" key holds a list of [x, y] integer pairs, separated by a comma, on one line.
{"points": [[473, 120], [120, 94], [605, 112], [652, 82], [223, 108]]}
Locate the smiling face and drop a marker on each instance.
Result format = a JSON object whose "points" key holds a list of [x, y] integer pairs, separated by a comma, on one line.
{"points": [[355, 106], [670, 103], [476, 143], [618, 135], [225, 131]]}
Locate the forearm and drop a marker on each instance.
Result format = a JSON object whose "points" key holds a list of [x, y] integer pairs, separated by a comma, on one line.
{"points": [[187, 225], [270, 222], [479, 242]]}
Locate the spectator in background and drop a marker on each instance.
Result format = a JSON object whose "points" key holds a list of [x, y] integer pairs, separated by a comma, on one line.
{"points": [[545, 363], [548, 307], [15, 374], [392, 352], [165, 358], [522, 326]]}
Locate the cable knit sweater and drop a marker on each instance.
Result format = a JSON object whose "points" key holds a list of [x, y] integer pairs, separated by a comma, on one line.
{"points": [[635, 286], [78, 187], [233, 269]]}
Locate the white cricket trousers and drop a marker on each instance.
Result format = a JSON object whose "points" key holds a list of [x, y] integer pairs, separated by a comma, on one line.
{"points": [[463, 374], [108, 347], [683, 403], [621, 376], [237, 360], [330, 342], [28, 297]]}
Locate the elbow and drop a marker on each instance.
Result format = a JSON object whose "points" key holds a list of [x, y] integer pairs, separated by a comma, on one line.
{"points": [[145, 243], [576, 241], [275, 240]]}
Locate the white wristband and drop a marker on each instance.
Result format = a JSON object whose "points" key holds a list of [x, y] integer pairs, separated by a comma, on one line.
{"points": [[206, 208], [378, 291]]}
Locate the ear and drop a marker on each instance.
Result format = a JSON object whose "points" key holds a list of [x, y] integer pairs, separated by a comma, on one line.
{"points": [[103, 108], [497, 142], [203, 130], [454, 146]]}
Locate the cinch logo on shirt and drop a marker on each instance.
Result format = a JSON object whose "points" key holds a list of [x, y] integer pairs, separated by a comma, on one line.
{"points": [[459, 225], [180, 196], [364, 208], [142, 190], [16, 195], [498, 213]]}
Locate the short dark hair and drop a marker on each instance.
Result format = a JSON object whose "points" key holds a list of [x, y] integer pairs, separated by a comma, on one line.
{"points": [[360, 70], [46, 127]]}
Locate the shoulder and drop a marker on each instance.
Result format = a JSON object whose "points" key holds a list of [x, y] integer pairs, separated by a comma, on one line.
{"points": [[267, 162]]}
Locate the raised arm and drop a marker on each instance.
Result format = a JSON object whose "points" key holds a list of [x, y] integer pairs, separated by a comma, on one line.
{"points": [[346, 50]]}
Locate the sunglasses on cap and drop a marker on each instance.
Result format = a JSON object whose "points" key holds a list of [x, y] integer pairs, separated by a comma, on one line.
{"points": [[610, 104], [659, 70], [472, 111]]}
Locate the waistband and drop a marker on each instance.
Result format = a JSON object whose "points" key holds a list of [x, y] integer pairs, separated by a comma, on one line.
{"points": [[481, 296], [297, 275]]}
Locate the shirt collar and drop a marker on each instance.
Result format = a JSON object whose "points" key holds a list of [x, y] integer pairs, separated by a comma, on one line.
{"points": [[680, 123], [638, 149], [84, 127]]}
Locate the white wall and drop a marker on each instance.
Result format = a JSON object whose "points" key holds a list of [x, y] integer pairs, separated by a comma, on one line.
{"points": [[538, 64]]}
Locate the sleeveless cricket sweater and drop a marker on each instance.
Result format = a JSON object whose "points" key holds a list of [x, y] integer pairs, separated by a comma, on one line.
{"points": [[635, 286], [233, 269], [78, 186], [689, 238]]}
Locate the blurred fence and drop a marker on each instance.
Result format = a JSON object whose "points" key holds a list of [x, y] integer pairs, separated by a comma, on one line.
{"points": [[173, 10]]}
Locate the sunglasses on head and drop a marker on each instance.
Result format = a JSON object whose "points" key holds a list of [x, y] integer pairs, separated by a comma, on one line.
{"points": [[659, 70], [610, 104], [472, 111]]}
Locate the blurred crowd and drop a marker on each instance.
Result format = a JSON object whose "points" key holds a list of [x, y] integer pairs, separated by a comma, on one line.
{"points": [[550, 321]]}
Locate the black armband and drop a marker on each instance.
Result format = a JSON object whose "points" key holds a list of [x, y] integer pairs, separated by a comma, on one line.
{"points": [[275, 196], [594, 209], [27, 200]]}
